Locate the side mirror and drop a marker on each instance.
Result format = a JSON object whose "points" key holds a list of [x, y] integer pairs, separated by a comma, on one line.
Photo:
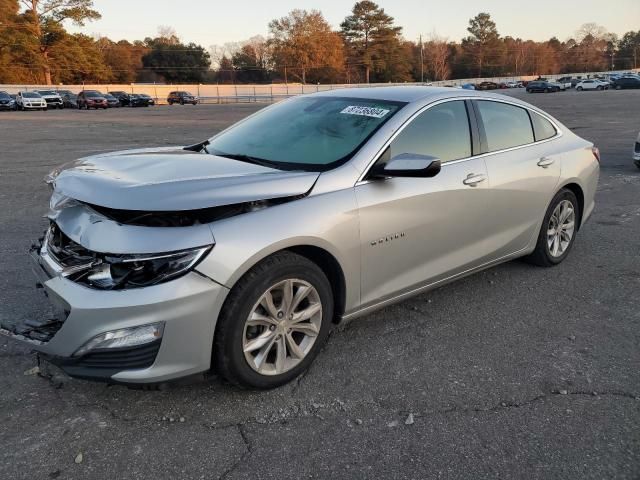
{"points": [[411, 165]]}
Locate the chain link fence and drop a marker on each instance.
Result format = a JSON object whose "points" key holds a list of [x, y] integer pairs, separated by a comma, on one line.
{"points": [[261, 93]]}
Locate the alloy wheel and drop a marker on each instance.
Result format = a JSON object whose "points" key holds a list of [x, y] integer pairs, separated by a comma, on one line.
{"points": [[561, 228], [282, 327]]}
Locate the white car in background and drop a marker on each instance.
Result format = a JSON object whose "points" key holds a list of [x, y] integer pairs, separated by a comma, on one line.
{"points": [[30, 101], [592, 84], [53, 99]]}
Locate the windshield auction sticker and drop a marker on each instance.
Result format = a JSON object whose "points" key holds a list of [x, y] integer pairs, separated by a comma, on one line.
{"points": [[365, 111]]}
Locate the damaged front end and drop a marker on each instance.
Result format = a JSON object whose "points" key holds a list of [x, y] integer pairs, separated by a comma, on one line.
{"points": [[119, 270]]}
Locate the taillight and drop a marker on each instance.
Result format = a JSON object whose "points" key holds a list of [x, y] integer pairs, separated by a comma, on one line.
{"points": [[596, 153]]}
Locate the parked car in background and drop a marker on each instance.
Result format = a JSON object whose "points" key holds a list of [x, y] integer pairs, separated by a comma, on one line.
{"points": [[626, 82], [513, 84], [149, 99], [575, 81], [70, 100], [30, 101], [53, 98], [6, 102], [561, 86], [181, 98], [542, 86], [91, 99], [241, 251], [468, 86], [112, 102], [487, 86], [636, 152], [566, 81], [123, 97], [592, 84], [136, 100]]}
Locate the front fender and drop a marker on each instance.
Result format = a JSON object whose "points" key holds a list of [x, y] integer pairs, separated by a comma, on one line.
{"points": [[328, 221]]}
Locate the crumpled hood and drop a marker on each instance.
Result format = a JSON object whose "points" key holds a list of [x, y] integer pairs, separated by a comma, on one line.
{"points": [[174, 179]]}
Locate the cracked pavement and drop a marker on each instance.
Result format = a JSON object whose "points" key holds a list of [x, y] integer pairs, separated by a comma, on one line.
{"points": [[515, 372]]}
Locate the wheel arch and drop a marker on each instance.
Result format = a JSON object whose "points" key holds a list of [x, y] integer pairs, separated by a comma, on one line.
{"points": [[332, 269], [578, 191], [322, 256]]}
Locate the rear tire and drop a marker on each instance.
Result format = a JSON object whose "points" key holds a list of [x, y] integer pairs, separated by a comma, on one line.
{"points": [[548, 252], [232, 356]]}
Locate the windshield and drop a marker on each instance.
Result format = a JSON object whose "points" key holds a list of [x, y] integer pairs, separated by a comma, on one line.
{"points": [[30, 95], [306, 133], [4, 95], [92, 94]]}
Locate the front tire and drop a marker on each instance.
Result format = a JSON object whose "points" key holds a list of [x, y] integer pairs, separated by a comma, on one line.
{"points": [[579, 89], [558, 230], [273, 323]]}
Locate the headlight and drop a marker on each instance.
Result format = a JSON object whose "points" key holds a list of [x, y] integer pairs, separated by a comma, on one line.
{"points": [[123, 338], [113, 272]]}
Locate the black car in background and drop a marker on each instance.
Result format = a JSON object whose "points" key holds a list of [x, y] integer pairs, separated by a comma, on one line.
{"points": [[542, 86], [148, 98], [181, 98], [91, 99], [487, 86], [69, 100], [112, 102], [136, 100], [123, 97], [7, 102], [131, 99], [626, 82]]}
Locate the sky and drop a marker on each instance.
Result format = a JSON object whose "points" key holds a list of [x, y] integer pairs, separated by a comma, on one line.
{"points": [[208, 22]]}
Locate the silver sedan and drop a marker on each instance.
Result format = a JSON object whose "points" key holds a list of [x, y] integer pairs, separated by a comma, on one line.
{"points": [[238, 253]]}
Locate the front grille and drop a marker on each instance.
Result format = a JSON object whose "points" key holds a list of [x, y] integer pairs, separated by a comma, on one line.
{"points": [[65, 251], [130, 358], [52, 100]]}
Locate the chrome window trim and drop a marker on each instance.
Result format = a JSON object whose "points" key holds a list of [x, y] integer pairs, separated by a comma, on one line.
{"points": [[559, 133]]}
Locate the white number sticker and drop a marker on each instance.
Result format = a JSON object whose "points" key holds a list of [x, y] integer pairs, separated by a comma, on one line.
{"points": [[365, 111]]}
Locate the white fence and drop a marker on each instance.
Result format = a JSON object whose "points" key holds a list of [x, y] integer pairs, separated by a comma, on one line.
{"points": [[255, 93]]}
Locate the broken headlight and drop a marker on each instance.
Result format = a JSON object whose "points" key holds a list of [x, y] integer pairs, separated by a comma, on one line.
{"points": [[113, 272]]}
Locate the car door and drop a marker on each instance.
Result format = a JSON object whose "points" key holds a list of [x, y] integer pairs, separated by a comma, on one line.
{"points": [[523, 165], [416, 231]]}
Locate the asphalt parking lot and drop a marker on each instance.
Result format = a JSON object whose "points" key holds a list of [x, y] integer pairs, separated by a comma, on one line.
{"points": [[516, 372]]}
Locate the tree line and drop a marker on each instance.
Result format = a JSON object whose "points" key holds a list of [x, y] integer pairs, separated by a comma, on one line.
{"points": [[301, 47]]}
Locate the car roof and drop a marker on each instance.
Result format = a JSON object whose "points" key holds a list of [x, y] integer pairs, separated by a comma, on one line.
{"points": [[409, 94]]}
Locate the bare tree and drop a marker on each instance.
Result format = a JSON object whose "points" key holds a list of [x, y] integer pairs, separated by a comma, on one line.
{"points": [[437, 56]]}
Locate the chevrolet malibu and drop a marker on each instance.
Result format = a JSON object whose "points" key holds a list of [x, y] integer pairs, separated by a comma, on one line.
{"points": [[238, 253]]}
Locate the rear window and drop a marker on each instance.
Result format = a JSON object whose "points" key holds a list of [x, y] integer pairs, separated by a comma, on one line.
{"points": [[542, 128], [505, 125]]}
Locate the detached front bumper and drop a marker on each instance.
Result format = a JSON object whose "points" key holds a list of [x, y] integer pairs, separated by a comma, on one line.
{"points": [[188, 307]]}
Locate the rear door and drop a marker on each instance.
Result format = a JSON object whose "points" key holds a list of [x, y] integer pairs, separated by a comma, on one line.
{"points": [[523, 164], [415, 231]]}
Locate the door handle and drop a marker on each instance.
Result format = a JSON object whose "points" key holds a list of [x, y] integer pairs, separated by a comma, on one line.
{"points": [[472, 179], [545, 162]]}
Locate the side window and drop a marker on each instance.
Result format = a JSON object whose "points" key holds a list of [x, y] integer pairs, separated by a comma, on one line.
{"points": [[505, 125], [441, 131], [542, 127]]}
